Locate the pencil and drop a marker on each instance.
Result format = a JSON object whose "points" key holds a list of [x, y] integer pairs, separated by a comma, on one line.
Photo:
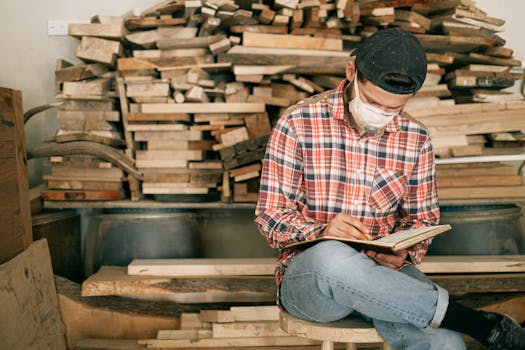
{"points": [[367, 236]]}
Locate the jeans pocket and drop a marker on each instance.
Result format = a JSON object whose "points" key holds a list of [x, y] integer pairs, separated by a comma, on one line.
{"points": [[388, 188]]}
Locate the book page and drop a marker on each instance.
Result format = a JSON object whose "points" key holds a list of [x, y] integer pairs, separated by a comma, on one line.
{"points": [[400, 236]]}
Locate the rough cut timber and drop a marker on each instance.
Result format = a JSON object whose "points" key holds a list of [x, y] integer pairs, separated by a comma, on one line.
{"points": [[108, 31], [15, 213], [99, 50], [30, 319], [291, 42]]}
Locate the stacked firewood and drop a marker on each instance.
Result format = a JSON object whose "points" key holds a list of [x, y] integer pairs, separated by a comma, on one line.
{"points": [[201, 83]]}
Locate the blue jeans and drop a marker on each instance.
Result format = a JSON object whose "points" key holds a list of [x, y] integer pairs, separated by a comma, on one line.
{"points": [[332, 280]]}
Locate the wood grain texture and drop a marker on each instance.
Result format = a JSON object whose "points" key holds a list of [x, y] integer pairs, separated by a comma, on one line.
{"points": [[30, 318]]}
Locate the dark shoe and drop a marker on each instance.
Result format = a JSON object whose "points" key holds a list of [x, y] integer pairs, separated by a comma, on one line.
{"points": [[506, 334]]}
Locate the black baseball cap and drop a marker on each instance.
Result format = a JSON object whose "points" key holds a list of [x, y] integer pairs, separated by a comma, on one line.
{"points": [[388, 51]]}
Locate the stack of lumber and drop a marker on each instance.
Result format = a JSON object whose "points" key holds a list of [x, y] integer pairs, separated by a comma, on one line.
{"points": [[487, 180], [249, 326], [487, 282], [88, 113], [201, 83]]}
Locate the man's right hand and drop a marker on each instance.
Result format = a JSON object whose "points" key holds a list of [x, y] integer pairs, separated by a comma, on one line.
{"points": [[346, 226]]}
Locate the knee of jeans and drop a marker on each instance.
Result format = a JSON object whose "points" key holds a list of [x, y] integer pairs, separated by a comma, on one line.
{"points": [[329, 252]]}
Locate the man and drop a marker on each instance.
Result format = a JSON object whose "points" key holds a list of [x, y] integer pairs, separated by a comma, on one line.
{"points": [[349, 163]]}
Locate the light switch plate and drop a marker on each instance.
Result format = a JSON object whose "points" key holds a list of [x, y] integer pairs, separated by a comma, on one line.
{"points": [[59, 27]]}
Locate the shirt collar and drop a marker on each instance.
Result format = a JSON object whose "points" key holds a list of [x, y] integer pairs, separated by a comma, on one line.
{"points": [[338, 107]]}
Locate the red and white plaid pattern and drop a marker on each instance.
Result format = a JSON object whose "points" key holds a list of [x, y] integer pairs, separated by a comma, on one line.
{"points": [[316, 166]]}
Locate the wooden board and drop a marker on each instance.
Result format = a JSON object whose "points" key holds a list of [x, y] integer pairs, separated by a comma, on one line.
{"points": [[113, 280], [247, 329], [202, 108], [265, 266], [108, 31], [99, 50], [482, 192], [110, 317], [453, 43], [291, 42], [352, 329], [184, 135], [86, 88], [15, 213], [206, 267], [479, 181], [169, 154], [80, 72], [82, 195], [30, 318], [110, 174], [301, 57], [228, 342]]}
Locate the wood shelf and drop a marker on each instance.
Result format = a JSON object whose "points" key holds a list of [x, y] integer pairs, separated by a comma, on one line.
{"points": [[144, 204]]}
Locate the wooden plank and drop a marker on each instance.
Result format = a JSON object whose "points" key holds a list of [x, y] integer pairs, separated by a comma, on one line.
{"points": [[268, 56], [154, 88], [126, 344], [248, 329], [479, 181], [185, 334], [187, 43], [228, 342], [473, 264], [82, 195], [151, 117], [164, 188], [99, 50], [356, 329], [74, 105], [291, 42], [482, 192], [219, 316], [113, 280], [210, 164], [81, 185], [169, 154], [115, 174], [107, 31], [157, 127], [205, 267], [152, 22], [15, 213], [265, 266], [111, 116], [453, 43], [245, 170], [110, 317], [185, 135], [203, 108], [203, 145], [500, 170], [80, 72], [30, 318], [255, 313], [86, 88], [166, 163]]}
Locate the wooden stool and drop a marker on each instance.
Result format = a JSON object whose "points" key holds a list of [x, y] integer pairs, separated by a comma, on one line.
{"points": [[352, 331]]}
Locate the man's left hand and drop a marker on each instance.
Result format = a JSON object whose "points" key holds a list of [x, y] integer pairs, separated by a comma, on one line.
{"points": [[393, 261]]}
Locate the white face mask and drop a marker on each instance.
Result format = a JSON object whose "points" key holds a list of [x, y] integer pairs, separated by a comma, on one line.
{"points": [[370, 118]]}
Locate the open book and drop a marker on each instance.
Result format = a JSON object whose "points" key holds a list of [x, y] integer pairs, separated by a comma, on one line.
{"points": [[391, 243]]}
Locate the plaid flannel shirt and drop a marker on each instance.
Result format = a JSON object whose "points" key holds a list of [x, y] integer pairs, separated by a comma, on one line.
{"points": [[317, 165]]}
